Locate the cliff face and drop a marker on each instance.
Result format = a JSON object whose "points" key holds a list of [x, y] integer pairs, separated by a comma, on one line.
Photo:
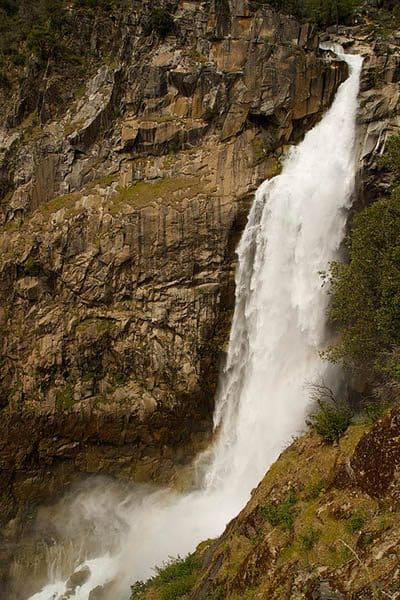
{"points": [[123, 200], [120, 222]]}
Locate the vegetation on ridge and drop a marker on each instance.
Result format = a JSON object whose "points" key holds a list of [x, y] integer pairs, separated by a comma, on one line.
{"points": [[305, 523], [332, 417], [365, 293], [172, 580], [321, 12]]}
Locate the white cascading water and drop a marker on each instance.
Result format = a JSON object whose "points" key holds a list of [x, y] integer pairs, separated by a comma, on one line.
{"points": [[294, 229]]}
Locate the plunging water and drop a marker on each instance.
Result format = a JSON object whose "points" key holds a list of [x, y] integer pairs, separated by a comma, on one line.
{"points": [[294, 230]]}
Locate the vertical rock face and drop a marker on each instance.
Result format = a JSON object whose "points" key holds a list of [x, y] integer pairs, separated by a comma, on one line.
{"points": [[122, 213], [379, 100], [119, 220]]}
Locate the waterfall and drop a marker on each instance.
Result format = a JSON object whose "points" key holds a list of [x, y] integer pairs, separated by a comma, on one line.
{"points": [[294, 229]]}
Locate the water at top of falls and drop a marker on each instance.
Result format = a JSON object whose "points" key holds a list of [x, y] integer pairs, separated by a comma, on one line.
{"points": [[294, 230]]}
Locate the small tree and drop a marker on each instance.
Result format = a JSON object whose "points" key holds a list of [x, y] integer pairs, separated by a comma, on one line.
{"points": [[332, 417], [391, 157], [365, 294]]}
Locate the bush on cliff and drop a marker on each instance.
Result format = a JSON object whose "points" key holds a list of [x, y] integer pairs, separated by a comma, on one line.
{"points": [[390, 159], [172, 580], [161, 21], [365, 294], [330, 420], [332, 417], [321, 12]]}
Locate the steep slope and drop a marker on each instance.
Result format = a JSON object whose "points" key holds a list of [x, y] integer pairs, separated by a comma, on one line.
{"points": [[324, 523]]}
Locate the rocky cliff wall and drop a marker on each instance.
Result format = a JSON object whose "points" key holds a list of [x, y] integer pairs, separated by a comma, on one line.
{"points": [[121, 211], [119, 228]]}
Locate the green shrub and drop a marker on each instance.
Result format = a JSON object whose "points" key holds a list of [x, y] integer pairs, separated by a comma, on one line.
{"points": [[365, 294], [332, 417], [42, 41], [31, 267], [161, 21], [374, 410], [316, 489], [172, 580], [330, 420], [138, 589], [121, 378], [65, 398], [366, 540], [390, 159], [19, 59], [309, 538], [355, 523], [283, 514]]}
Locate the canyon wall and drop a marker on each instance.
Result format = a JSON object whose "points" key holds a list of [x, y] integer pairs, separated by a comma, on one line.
{"points": [[123, 200]]}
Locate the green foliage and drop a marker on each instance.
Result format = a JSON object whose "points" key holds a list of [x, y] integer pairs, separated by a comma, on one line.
{"points": [[44, 30], [31, 267], [391, 157], [316, 489], [328, 12], [332, 417], [19, 59], [365, 294], [29, 26], [374, 410], [309, 538], [321, 12], [283, 514], [366, 540], [121, 378], [138, 589], [218, 593], [161, 21], [65, 398], [42, 42], [172, 580], [355, 523], [330, 420]]}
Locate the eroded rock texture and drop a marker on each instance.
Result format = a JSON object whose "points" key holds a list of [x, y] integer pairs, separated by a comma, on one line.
{"points": [[119, 226]]}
